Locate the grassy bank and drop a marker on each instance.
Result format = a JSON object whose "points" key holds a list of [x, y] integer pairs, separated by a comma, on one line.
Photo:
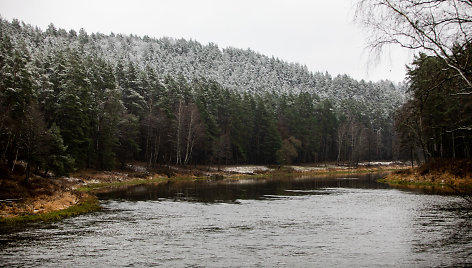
{"points": [[287, 172], [88, 204], [453, 176], [105, 186]]}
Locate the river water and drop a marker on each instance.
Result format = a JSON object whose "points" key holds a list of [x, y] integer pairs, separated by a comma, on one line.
{"points": [[302, 222]]}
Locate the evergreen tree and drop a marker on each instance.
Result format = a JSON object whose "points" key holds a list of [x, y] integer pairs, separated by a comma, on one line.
{"points": [[54, 153], [266, 136]]}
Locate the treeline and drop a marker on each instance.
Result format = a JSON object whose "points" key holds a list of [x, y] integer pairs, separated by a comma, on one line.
{"points": [[65, 105], [436, 122]]}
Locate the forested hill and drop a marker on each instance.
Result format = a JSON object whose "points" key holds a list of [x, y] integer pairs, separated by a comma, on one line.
{"points": [[243, 70], [162, 79]]}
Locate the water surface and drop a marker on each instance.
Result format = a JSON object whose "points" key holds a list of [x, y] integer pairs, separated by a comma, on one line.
{"points": [[303, 222]]}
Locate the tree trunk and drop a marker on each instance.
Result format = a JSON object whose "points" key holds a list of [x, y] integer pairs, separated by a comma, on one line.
{"points": [[178, 159], [453, 146], [340, 143], [28, 164], [157, 143], [6, 148], [148, 154], [188, 149], [14, 161], [27, 175]]}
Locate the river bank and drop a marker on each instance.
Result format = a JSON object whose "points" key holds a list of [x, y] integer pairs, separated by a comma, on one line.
{"points": [[41, 199], [44, 199], [447, 176]]}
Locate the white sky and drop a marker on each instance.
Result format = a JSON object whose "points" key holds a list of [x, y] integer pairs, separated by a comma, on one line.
{"points": [[317, 33]]}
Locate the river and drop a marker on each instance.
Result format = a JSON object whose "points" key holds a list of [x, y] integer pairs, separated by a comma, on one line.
{"points": [[298, 222]]}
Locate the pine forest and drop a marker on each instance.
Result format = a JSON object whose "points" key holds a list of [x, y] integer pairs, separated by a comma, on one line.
{"points": [[77, 100]]}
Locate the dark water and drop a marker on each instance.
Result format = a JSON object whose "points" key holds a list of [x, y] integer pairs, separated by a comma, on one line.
{"points": [[304, 222]]}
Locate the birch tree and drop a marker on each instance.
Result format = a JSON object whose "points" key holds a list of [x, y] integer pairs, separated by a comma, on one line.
{"points": [[441, 28]]}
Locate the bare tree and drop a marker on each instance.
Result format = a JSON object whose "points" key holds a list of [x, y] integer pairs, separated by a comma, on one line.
{"points": [[342, 132], [194, 129], [188, 130], [442, 28], [179, 115]]}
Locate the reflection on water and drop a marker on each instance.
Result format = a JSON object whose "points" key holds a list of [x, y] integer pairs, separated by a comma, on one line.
{"points": [[231, 191], [308, 222]]}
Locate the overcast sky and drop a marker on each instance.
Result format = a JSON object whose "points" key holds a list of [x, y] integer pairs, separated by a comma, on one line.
{"points": [[317, 33]]}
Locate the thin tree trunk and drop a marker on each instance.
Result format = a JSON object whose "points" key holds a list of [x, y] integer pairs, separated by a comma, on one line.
{"points": [[14, 161], [157, 143], [178, 159], [352, 144], [338, 159], [453, 146], [27, 175], [188, 150], [426, 152], [4, 154], [148, 154]]}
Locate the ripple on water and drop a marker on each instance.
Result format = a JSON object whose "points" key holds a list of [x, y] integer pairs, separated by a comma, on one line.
{"points": [[345, 222]]}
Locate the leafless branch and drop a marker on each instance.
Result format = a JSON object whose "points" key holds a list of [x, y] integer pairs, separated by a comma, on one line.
{"points": [[437, 27]]}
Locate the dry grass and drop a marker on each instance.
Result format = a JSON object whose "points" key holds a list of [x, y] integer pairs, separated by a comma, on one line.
{"points": [[85, 205], [40, 204], [37, 196], [453, 174]]}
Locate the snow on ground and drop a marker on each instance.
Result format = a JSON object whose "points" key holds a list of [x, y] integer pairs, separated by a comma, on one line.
{"points": [[305, 169], [137, 168], [308, 168], [381, 163], [246, 169]]}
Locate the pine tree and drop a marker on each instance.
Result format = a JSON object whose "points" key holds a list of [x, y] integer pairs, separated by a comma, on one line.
{"points": [[267, 137], [54, 153]]}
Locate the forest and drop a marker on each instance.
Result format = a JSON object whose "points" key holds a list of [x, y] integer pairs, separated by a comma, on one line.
{"points": [[435, 122], [73, 100]]}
